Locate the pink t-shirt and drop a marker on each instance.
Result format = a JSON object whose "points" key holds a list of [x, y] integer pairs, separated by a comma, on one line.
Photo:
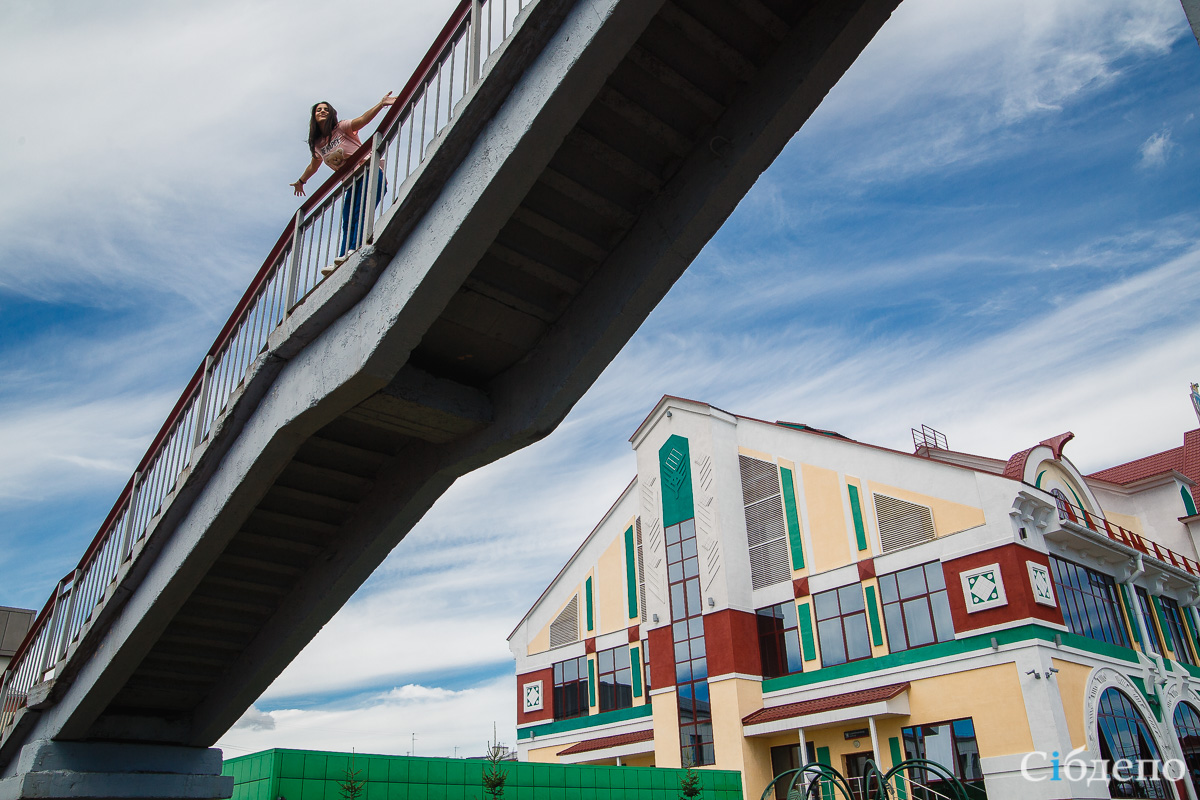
{"points": [[337, 148]]}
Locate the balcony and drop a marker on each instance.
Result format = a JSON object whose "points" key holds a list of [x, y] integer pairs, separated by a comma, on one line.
{"points": [[1082, 518]]}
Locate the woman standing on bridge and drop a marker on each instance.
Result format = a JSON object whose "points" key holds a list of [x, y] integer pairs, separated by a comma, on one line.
{"points": [[337, 143]]}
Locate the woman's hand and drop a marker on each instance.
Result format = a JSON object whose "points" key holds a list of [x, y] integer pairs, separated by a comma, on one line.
{"points": [[299, 187], [387, 100]]}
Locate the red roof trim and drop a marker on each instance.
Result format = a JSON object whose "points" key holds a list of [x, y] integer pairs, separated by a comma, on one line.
{"points": [[831, 703], [608, 741]]}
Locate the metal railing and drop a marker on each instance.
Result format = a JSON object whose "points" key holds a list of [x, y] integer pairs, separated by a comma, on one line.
{"points": [[1093, 522], [336, 220]]}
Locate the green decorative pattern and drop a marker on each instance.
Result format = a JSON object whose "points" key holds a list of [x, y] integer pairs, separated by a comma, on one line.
{"points": [[1130, 619], [1162, 622], [673, 465], [1188, 502], [970, 644], [631, 573], [873, 616], [790, 513], [587, 593], [807, 643], [311, 775], [635, 661], [592, 682], [860, 530], [579, 723]]}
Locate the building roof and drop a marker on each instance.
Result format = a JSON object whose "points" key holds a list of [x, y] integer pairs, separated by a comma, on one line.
{"points": [[831, 703], [1015, 468], [1184, 460], [608, 741]]}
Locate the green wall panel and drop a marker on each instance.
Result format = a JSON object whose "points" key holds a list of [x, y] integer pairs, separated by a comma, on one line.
{"points": [[790, 513], [897, 757], [808, 645], [1189, 503], [860, 530], [631, 582], [406, 778], [635, 662], [591, 614], [591, 682], [674, 465], [873, 616]]}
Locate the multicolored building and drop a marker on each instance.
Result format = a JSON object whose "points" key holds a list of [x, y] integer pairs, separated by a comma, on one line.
{"points": [[763, 595]]}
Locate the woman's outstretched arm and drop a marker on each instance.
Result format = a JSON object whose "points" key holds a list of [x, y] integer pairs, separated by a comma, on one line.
{"points": [[309, 171], [359, 123]]}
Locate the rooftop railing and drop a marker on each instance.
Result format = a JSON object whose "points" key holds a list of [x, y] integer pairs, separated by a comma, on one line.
{"points": [[1098, 524], [334, 221]]}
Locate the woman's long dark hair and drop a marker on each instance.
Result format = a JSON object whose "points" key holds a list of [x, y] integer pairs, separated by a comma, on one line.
{"points": [[317, 130]]}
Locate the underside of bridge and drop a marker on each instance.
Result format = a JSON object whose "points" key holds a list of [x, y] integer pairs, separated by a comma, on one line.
{"points": [[662, 117]]}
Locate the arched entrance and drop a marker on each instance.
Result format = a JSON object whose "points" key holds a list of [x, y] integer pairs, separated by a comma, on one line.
{"points": [[1123, 735], [1186, 721]]}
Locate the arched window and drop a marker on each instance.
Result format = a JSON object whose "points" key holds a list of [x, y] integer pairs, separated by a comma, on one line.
{"points": [[1124, 735], [1064, 505], [1187, 728]]}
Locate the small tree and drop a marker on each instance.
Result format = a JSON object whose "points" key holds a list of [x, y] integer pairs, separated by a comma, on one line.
{"points": [[352, 787], [494, 775], [689, 784]]}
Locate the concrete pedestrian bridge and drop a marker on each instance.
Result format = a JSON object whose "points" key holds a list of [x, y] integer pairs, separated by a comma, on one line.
{"points": [[550, 171]]}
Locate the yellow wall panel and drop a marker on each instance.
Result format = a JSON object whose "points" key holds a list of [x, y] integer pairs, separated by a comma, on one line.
{"points": [[547, 755], [1072, 681], [665, 713], [611, 604], [948, 517], [1001, 724], [826, 519]]}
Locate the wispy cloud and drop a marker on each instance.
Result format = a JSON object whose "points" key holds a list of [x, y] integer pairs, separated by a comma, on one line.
{"points": [[1157, 149]]}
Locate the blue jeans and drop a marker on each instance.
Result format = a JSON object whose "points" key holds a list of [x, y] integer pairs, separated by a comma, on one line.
{"points": [[350, 210]]}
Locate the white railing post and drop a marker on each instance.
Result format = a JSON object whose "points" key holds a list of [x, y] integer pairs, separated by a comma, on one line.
{"points": [[473, 60], [65, 641], [372, 187], [127, 534], [293, 276], [48, 647], [202, 403]]}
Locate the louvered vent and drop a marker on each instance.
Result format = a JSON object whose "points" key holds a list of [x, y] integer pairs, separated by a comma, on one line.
{"points": [[565, 628], [765, 531], [641, 568], [902, 524]]}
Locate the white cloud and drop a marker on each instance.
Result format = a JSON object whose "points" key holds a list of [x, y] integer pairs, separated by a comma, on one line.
{"points": [[445, 723], [1157, 149]]}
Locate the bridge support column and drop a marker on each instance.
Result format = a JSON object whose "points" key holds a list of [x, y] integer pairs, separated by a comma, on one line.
{"points": [[49, 770]]}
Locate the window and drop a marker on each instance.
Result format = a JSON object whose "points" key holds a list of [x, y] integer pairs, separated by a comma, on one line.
{"points": [[1124, 735], [842, 625], [1089, 602], [915, 607], [646, 665], [951, 744], [1175, 631], [615, 676], [571, 688], [779, 640], [691, 661], [1143, 601]]}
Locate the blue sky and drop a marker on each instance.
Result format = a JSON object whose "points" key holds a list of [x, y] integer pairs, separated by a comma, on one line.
{"points": [[990, 226]]}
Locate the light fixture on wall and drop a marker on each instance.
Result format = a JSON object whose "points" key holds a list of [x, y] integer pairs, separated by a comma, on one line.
{"points": [[712, 603], [655, 618], [668, 412]]}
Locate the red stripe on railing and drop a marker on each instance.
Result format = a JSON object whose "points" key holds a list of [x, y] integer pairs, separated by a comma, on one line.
{"points": [[248, 297]]}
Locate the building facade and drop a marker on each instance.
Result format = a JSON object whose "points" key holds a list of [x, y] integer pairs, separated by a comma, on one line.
{"points": [[763, 595]]}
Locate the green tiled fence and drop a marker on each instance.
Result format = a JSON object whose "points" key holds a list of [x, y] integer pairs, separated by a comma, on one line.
{"points": [[311, 775]]}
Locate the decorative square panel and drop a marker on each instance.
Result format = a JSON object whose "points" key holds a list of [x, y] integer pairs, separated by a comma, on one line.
{"points": [[533, 696], [983, 588], [1043, 587]]}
